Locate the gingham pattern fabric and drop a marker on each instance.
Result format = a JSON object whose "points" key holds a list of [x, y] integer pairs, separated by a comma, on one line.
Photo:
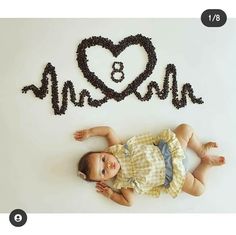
{"points": [[143, 166]]}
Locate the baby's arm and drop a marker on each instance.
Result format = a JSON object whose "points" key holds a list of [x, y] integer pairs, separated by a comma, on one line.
{"points": [[125, 197], [104, 131]]}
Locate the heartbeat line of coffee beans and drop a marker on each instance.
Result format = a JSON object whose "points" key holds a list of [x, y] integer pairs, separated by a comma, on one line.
{"points": [[163, 93], [69, 87], [109, 93]]}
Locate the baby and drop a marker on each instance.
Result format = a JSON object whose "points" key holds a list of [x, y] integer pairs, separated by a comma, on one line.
{"points": [[148, 164]]}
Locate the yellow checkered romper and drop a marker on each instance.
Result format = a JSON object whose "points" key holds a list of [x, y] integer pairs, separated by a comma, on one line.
{"points": [[143, 165]]}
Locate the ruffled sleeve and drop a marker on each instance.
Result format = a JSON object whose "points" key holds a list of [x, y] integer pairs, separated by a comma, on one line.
{"points": [[121, 182]]}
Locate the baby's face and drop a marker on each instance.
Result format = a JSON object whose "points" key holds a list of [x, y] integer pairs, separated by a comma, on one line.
{"points": [[103, 166]]}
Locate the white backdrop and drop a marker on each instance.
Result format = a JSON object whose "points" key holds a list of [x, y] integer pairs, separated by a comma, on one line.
{"points": [[38, 155]]}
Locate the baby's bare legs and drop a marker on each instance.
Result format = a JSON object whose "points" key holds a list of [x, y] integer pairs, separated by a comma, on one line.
{"points": [[194, 183]]}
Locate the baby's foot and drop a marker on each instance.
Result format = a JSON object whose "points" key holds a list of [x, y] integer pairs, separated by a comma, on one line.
{"points": [[206, 147], [213, 160], [210, 145]]}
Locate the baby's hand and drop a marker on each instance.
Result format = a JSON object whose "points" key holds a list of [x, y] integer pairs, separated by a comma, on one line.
{"points": [[82, 135], [104, 189]]}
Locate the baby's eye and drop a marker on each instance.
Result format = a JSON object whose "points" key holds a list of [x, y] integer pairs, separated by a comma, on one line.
{"points": [[103, 172], [103, 159]]}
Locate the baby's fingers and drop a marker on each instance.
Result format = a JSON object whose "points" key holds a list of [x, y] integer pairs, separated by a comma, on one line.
{"points": [[103, 184], [99, 188], [79, 136], [102, 191]]}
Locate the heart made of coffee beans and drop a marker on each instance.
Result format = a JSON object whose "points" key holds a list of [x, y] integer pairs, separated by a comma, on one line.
{"points": [[116, 50]]}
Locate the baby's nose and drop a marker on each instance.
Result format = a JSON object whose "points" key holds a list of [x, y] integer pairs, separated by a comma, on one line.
{"points": [[108, 165]]}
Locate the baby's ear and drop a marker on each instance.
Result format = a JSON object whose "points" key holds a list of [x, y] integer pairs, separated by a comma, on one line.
{"points": [[81, 175]]}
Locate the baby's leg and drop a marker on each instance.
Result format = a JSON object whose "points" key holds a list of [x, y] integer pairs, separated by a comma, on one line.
{"points": [[188, 138], [194, 183]]}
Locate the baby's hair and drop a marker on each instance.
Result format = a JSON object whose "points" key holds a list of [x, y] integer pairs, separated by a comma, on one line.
{"points": [[83, 166]]}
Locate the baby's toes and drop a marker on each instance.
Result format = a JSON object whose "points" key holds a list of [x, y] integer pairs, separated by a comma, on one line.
{"points": [[214, 145], [222, 160], [211, 145]]}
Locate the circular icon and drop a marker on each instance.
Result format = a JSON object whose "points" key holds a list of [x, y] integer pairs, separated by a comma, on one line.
{"points": [[18, 217]]}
